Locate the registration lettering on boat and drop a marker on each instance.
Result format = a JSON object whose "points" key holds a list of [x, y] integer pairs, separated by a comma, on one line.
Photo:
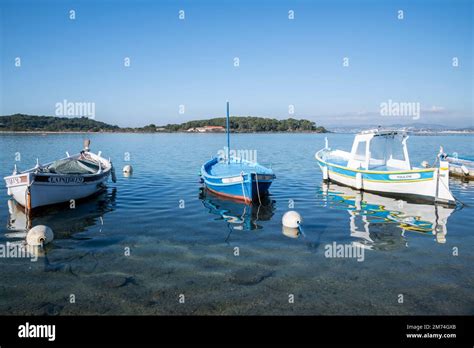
{"points": [[404, 176], [66, 179], [232, 179], [17, 180]]}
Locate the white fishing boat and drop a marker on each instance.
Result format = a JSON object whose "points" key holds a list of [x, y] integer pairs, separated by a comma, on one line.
{"points": [[379, 162], [460, 166], [70, 178]]}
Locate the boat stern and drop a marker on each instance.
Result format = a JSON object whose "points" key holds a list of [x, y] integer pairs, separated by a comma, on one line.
{"points": [[443, 193], [17, 186]]}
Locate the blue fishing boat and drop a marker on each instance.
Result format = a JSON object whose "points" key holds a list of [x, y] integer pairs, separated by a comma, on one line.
{"points": [[234, 177]]}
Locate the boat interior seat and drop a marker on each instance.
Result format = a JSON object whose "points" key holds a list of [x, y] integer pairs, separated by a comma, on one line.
{"points": [[339, 161], [223, 169], [236, 168]]}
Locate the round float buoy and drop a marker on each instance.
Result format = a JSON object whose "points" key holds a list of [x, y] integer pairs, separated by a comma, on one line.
{"points": [[292, 219], [39, 235], [425, 164], [127, 169]]}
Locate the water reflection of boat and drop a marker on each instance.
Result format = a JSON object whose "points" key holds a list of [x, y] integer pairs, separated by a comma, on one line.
{"points": [[62, 219], [380, 222], [238, 215]]}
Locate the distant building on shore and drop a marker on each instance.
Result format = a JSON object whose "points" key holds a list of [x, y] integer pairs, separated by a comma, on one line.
{"points": [[206, 129]]}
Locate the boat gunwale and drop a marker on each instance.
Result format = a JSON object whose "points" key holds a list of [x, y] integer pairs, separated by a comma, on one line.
{"points": [[31, 170], [206, 174], [367, 171]]}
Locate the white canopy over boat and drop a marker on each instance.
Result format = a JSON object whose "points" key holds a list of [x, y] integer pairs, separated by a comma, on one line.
{"points": [[379, 161]]}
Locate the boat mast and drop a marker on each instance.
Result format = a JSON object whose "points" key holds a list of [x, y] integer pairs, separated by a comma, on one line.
{"points": [[228, 135]]}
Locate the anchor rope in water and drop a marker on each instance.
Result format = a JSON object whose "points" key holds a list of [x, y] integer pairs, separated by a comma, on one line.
{"points": [[243, 188], [28, 192], [258, 190], [257, 216]]}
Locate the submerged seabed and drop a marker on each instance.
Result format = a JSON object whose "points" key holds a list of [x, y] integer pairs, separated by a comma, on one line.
{"points": [[190, 251]]}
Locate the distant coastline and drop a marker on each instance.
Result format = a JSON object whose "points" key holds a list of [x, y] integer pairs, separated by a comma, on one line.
{"points": [[21, 123], [31, 124], [414, 129]]}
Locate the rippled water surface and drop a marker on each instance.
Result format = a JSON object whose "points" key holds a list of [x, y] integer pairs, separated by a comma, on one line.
{"points": [[184, 242]]}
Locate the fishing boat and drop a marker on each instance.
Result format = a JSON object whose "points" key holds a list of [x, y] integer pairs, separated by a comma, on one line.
{"points": [[70, 178], [379, 162], [462, 167], [234, 177]]}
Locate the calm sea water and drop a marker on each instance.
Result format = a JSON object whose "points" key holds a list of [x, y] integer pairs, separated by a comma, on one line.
{"points": [[182, 243]]}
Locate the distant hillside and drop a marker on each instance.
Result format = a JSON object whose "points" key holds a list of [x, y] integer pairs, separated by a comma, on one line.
{"points": [[251, 124], [29, 123], [414, 128], [20, 122]]}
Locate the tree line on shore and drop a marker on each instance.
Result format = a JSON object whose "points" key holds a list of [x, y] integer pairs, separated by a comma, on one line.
{"points": [[24, 123], [250, 124]]}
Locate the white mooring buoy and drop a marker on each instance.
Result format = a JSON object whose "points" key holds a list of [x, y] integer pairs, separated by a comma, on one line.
{"points": [[39, 235], [127, 170], [292, 219]]}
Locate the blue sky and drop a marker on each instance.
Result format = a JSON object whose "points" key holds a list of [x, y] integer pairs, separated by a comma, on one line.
{"points": [[191, 62]]}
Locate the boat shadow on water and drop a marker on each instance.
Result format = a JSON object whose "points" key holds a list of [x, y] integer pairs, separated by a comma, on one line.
{"points": [[380, 222], [238, 215], [61, 218]]}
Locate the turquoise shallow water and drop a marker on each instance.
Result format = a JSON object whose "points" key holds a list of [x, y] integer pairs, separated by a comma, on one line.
{"points": [[183, 242]]}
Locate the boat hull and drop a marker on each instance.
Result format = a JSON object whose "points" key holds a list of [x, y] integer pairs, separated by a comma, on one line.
{"points": [[460, 172], [245, 187], [46, 190], [35, 188], [245, 190], [431, 183], [241, 191]]}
